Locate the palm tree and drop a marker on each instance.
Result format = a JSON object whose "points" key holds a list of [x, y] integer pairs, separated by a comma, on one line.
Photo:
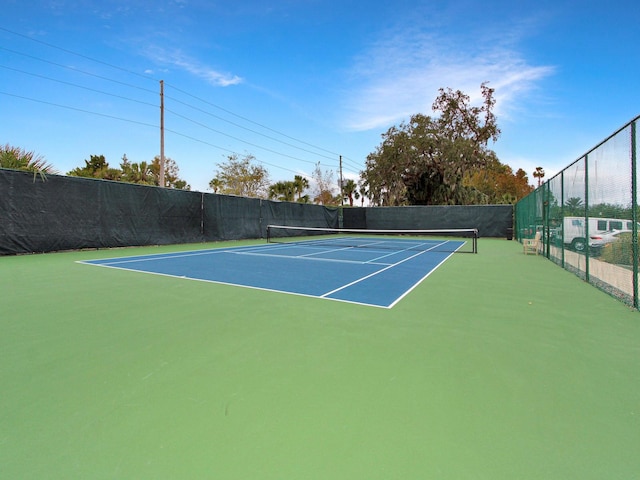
{"points": [[350, 190], [539, 174], [19, 159], [283, 191], [574, 205], [141, 173], [363, 193], [215, 184], [300, 184]]}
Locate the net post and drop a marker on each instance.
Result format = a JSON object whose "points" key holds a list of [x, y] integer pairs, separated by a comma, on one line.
{"points": [[634, 214]]}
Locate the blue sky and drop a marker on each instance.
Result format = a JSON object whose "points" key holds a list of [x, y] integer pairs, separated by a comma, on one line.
{"points": [[294, 83]]}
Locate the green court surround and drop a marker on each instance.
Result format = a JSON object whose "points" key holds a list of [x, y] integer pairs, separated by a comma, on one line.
{"points": [[498, 366]]}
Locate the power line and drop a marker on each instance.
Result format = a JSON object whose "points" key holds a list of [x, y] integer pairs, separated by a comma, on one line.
{"points": [[148, 104], [350, 163], [150, 78], [113, 117], [75, 85], [146, 77], [240, 139], [249, 129], [253, 122], [147, 90], [78, 109], [225, 149], [76, 70]]}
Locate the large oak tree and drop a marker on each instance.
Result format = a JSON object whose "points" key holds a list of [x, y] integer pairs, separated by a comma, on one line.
{"points": [[426, 160]]}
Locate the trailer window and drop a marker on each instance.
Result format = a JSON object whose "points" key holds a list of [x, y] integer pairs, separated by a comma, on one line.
{"points": [[615, 225]]}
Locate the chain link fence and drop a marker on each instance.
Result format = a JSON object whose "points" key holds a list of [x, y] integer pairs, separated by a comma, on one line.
{"points": [[587, 216]]}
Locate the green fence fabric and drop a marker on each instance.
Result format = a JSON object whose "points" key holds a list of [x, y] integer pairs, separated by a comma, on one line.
{"points": [[69, 213], [588, 216], [66, 213], [231, 218], [299, 214], [490, 220]]}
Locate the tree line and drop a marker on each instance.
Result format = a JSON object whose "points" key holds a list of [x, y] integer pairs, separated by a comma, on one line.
{"points": [[445, 160], [441, 160], [145, 173], [244, 176]]}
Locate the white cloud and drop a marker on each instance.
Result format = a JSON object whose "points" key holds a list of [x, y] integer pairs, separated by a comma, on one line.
{"points": [[180, 60], [401, 75]]}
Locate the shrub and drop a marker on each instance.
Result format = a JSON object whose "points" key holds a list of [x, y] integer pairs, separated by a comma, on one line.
{"points": [[619, 252]]}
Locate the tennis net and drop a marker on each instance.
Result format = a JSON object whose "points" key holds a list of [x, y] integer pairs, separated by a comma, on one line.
{"points": [[463, 240]]}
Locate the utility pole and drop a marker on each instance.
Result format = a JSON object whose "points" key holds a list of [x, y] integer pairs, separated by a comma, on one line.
{"points": [[161, 179], [341, 184]]}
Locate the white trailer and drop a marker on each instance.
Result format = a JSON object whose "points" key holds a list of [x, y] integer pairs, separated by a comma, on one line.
{"points": [[575, 229]]}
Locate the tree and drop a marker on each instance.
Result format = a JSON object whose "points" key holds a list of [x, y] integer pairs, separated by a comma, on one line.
{"points": [[497, 184], [20, 159], [610, 210], [97, 167], [125, 164], [574, 206], [539, 174], [140, 173], [363, 193], [240, 176], [215, 184], [324, 187], [283, 191], [171, 174], [301, 184], [289, 191], [426, 160], [350, 191]]}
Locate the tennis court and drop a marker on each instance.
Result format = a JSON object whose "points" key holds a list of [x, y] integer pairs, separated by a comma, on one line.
{"points": [[499, 366], [357, 267]]}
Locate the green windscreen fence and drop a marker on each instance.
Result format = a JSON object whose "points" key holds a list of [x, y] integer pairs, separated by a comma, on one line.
{"points": [[489, 220], [68, 213], [587, 216]]}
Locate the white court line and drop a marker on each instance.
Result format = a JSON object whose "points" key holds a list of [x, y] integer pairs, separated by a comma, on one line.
{"points": [[409, 290], [373, 261], [409, 249], [373, 274], [241, 285], [145, 258], [389, 267], [307, 257], [342, 249], [169, 255]]}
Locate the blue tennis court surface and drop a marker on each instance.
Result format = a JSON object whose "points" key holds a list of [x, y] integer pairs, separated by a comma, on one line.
{"points": [[375, 275]]}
